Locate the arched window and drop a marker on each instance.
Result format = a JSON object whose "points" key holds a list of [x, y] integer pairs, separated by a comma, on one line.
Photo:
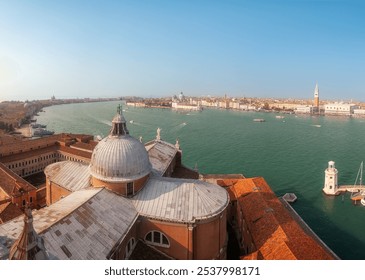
{"points": [[157, 238], [129, 248]]}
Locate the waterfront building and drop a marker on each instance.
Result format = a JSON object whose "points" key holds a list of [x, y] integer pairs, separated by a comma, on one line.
{"points": [[135, 104], [244, 107], [120, 199], [331, 179], [209, 103], [181, 97], [15, 193], [247, 107], [359, 113], [343, 109], [264, 227], [234, 105], [283, 106], [304, 109], [309, 109], [185, 106], [224, 104]]}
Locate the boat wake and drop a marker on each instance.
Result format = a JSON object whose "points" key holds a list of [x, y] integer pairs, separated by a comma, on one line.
{"points": [[178, 127], [137, 123], [105, 122]]}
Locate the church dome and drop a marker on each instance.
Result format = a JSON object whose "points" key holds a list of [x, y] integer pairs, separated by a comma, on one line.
{"points": [[119, 157]]}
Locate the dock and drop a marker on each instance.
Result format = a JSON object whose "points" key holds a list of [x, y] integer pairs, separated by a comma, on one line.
{"points": [[357, 191], [351, 188], [290, 197]]}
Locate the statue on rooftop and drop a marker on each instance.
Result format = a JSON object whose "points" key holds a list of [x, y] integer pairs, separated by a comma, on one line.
{"points": [[158, 136]]}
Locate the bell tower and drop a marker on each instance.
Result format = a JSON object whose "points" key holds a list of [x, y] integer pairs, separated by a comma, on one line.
{"points": [[330, 179], [316, 96]]}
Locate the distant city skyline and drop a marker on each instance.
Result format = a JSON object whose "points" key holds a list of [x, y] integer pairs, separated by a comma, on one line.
{"points": [[156, 48]]}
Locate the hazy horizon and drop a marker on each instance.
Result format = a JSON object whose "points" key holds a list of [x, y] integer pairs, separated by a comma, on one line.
{"points": [[157, 48]]}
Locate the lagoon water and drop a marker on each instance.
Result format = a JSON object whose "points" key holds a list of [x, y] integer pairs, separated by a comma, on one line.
{"points": [[290, 153]]}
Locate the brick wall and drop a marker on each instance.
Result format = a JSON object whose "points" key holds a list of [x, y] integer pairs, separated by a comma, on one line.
{"points": [[54, 192]]}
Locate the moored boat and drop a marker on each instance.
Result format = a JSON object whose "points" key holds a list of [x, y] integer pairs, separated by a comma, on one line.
{"points": [[362, 201], [38, 125], [42, 132]]}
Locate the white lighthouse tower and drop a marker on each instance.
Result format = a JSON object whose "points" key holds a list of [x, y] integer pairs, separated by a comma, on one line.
{"points": [[330, 179]]}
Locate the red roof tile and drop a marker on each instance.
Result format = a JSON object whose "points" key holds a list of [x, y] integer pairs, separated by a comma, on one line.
{"points": [[276, 234], [9, 211], [11, 183]]}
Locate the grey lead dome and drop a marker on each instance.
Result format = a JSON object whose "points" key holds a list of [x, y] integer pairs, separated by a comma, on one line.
{"points": [[119, 157]]}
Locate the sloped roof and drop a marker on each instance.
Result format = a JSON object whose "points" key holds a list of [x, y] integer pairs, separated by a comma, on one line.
{"points": [[9, 211], [275, 231], [88, 147], [180, 200], [87, 224], [70, 175], [11, 183], [161, 154]]}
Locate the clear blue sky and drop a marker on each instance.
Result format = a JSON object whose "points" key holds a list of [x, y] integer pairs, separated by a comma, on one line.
{"points": [[158, 48]]}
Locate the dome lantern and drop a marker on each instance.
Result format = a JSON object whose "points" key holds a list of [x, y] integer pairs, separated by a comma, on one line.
{"points": [[119, 127]]}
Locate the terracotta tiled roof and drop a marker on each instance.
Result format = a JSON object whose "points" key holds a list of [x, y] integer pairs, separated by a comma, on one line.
{"points": [[76, 152], [78, 137], [276, 234], [8, 139], [17, 147], [9, 211], [28, 154], [11, 183], [227, 182], [84, 146], [252, 256]]}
